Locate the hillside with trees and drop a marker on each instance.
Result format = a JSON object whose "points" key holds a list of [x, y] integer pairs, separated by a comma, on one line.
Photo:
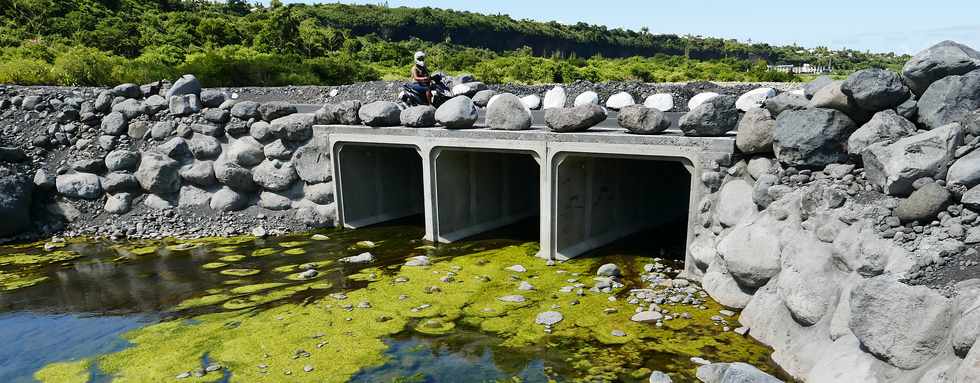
{"points": [[234, 43]]}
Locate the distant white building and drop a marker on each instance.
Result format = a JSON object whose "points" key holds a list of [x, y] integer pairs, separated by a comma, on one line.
{"points": [[806, 68]]}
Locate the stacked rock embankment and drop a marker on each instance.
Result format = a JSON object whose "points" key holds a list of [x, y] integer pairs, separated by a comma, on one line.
{"points": [[846, 229]]}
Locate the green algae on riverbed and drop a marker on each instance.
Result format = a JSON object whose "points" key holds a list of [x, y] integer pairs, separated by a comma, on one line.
{"points": [[20, 270], [339, 335], [65, 372]]}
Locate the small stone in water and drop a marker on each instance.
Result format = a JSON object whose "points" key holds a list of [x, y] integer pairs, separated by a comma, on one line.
{"points": [[512, 298], [517, 269], [183, 375], [727, 313], [307, 368], [212, 368], [319, 237], [549, 318], [699, 360], [618, 333], [525, 286]]}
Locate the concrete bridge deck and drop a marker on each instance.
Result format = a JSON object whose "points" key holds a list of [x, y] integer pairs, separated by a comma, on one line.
{"points": [[588, 189]]}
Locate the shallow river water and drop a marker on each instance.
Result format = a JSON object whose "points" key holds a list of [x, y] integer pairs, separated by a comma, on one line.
{"points": [[241, 309]]}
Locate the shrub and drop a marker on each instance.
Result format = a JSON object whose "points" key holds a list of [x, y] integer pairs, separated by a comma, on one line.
{"points": [[25, 71], [85, 66]]}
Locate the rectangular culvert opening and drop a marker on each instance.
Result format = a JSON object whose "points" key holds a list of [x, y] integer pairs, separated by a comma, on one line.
{"points": [[483, 192], [378, 184], [621, 203]]}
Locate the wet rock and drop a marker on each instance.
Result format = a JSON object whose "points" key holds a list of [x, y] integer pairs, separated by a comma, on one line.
{"points": [[548, 318], [647, 317], [608, 270], [713, 117], [575, 119], [640, 119], [417, 261], [812, 137], [894, 167], [512, 299], [516, 268], [360, 258]]}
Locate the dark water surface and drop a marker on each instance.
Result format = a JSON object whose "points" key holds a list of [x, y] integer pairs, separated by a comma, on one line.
{"points": [[87, 303]]}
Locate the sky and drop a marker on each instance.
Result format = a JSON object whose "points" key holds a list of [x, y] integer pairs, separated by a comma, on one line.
{"points": [[900, 26]]}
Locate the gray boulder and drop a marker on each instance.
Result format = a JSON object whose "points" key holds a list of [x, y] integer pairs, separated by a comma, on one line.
{"points": [[233, 175], [184, 105], [345, 112], [103, 102], [262, 131], [886, 126], [737, 372], [274, 175], [971, 123], [814, 86], [832, 96], [79, 185], [114, 124], [908, 109], [185, 85], [317, 215], [200, 173], [508, 113], [245, 110], [944, 59], [245, 151], [204, 147], [193, 196], [138, 129], [130, 108], [900, 324], [950, 100], [91, 165], [122, 160], [117, 182], [158, 173], [175, 148], [783, 102], [575, 119], [965, 170], [119, 203], [422, 116], [278, 150], [162, 129], [217, 116], [714, 117], [127, 90], [312, 163], [457, 113], [894, 167], [640, 119], [482, 98], [923, 204], [875, 89], [380, 113], [295, 127], [275, 109], [273, 201], [15, 204], [326, 115], [321, 193], [227, 199], [755, 131], [212, 98], [751, 255], [735, 203], [812, 137], [208, 130]]}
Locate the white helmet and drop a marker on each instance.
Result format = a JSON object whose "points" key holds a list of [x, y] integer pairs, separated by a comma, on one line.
{"points": [[419, 55]]}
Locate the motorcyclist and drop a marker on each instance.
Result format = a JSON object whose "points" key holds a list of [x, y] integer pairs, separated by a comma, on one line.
{"points": [[420, 74]]}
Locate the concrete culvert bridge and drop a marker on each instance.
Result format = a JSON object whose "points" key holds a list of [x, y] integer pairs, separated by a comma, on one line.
{"points": [[600, 199], [378, 183], [480, 190], [586, 189]]}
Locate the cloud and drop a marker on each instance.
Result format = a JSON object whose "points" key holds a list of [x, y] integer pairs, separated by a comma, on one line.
{"points": [[910, 41]]}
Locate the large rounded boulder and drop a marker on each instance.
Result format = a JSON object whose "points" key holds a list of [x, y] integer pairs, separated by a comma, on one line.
{"points": [[640, 119], [713, 117], [574, 119], [158, 173], [380, 113], [946, 58], [875, 89], [422, 116], [812, 138], [507, 112], [458, 113], [950, 100]]}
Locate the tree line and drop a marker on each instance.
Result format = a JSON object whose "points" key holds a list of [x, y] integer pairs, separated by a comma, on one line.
{"points": [[234, 43]]}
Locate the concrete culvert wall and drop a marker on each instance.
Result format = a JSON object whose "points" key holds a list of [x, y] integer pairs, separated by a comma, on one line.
{"points": [[378, 183], [598, 200], [477, 191]]}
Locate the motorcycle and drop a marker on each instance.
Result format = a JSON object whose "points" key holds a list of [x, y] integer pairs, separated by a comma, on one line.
{"points": [[440, 93]]}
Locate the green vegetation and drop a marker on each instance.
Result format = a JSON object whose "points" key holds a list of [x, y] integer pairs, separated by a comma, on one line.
{"points": [[233, 43]]}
